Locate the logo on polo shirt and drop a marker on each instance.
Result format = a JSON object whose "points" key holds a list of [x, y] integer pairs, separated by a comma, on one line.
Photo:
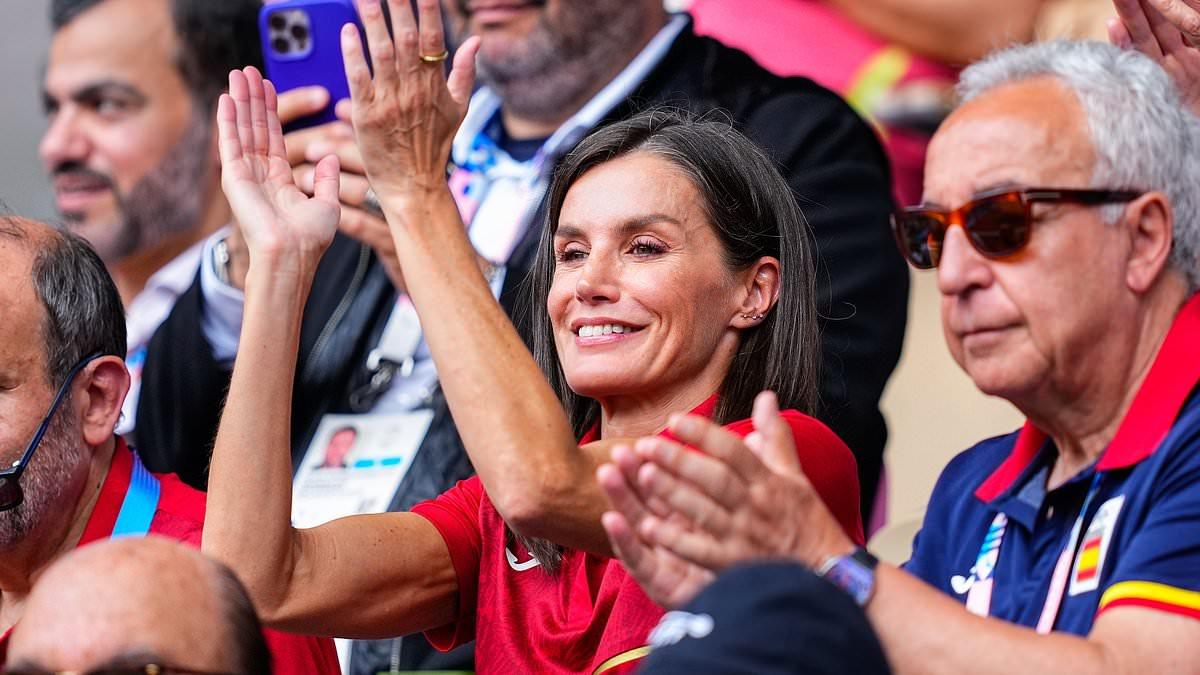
{"points": [[1089, 561], [520, 566]]}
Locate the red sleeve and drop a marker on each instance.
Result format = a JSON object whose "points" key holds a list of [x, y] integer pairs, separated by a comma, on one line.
{"points": [[829, 465], [455, 514], [301, 654]]}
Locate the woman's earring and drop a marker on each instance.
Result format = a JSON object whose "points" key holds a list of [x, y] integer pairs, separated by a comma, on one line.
{"points": [[753, 317]]}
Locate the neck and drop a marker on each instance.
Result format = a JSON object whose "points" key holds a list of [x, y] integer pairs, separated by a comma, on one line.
{"points": [[133, 272], [21, 565], [523, 126], [1082, 421]]}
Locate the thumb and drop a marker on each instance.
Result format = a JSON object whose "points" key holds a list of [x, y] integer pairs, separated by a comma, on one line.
{"points": [[1118, 34], [327, 179], [462, 75], [773, 444]]}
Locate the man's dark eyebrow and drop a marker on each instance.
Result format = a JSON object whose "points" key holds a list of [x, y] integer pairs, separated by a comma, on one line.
{"points": [[572, 232]]}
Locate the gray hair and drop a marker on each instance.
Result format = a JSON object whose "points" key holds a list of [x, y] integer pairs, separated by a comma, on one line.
{"points": [[1144, 137], [84, 314]]}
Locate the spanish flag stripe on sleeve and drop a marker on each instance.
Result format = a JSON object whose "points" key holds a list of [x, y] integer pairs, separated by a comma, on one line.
{"points": [[1152, 596]]}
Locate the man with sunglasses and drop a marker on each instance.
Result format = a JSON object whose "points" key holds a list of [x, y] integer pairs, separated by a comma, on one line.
{"points": [[68, 479], [1063, 219], [113, 609]]}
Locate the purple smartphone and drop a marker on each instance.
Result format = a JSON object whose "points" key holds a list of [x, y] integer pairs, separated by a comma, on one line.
{"points": [[301, 41]]}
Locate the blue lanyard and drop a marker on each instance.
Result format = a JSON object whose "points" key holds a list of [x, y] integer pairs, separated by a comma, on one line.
{"points": [[141, 502]]}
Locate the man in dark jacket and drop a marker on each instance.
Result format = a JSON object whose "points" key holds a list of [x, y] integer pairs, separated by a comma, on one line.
{"points": [[552, 72]]}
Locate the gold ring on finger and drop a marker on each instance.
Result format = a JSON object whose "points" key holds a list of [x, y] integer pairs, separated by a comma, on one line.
{"points": [[437, 58]]}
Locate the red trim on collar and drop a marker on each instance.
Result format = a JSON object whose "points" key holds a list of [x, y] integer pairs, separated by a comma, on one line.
{"points": [[1172, 377], [705, 409], [112, 495]]}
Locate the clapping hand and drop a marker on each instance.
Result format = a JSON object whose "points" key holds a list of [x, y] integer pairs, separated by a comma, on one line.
{"points": [[406, 117], [282, 226], [1167, 31], [680, 516]]}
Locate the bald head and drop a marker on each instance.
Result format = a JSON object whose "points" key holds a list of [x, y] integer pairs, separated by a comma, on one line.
{"points": [[128, 602]]}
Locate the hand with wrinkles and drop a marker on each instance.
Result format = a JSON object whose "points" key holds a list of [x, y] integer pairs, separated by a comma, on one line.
{"points": [[1167, 31], [405, 117], [682, 516]]}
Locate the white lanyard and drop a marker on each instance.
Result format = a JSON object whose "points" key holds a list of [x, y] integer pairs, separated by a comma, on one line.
{"points": [[979, 597]]}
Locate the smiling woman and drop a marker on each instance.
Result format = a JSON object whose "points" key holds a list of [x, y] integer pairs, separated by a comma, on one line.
{"points": [[673, 275]]}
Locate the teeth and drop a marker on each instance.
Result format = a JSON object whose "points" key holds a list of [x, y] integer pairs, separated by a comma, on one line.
{"points": [[607, 329]]}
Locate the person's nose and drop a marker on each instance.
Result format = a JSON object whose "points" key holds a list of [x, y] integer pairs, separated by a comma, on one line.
{"points": [[960, 267], [64, 140], [598, 280]]}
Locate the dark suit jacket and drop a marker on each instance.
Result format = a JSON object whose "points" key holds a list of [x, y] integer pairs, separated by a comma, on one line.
{"points": [[833, 162]]}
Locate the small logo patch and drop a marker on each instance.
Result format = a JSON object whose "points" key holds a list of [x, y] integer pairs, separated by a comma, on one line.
{"points": [[1089, 562]]}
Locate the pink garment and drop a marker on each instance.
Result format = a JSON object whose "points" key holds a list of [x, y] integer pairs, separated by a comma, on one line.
{"points": [[812, 39]]}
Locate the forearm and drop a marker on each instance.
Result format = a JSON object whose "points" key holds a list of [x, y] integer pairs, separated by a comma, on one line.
{"points": [[509, 418], [956, 33], [923, 631], [251, 472]]}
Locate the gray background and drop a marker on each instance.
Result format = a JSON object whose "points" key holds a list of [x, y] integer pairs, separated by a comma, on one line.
{"points": [[24, 38]]}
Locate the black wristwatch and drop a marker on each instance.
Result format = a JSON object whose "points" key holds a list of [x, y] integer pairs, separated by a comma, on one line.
{"points": [[854, 573]]}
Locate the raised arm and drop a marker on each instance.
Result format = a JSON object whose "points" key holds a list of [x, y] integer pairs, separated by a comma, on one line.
{"points": [[359, 577], [510, 420]]}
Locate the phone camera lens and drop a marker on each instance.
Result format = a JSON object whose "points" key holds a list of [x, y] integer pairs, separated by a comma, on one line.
{"points": [[281, 45], [277, 21], [300, 32]]}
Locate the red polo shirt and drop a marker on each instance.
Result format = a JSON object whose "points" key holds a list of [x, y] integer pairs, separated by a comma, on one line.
{"points": [[590, 617], [180, 515]]}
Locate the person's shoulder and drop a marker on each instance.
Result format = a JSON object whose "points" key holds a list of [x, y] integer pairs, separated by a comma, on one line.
{"points": [[180, 513]]}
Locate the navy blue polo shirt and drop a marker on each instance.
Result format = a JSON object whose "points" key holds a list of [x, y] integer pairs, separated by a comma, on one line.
{"points": [[1139, 541]]}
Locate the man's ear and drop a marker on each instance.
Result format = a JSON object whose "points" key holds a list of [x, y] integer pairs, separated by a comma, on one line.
{"points": [[1149, 222], [99, 392], [761, 283]]}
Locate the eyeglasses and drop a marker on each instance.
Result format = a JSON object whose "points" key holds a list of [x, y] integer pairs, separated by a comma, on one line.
{"points": [[11, 494], [997, 223]]}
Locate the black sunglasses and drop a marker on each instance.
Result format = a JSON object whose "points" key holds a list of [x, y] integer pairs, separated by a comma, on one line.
{"points": [[11, 494], [997, 223]]}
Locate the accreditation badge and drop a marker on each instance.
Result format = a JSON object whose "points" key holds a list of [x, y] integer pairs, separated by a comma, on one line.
{"points": [[355, 464], [1089, 561]]}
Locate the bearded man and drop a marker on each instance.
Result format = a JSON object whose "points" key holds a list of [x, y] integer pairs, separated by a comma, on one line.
{"points": [[552, 71], [129, 94]]}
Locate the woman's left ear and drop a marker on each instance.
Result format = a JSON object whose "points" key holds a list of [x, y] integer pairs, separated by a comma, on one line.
{"points": [[761, 283]]}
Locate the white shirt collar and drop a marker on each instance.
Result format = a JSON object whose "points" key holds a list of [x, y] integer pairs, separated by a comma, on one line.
{"points": [[486, 102]]}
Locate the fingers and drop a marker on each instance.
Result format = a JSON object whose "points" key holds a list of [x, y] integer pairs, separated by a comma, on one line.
{"points": [[695, 546], [620, 492], [333, 133], [301, 102], [354, 187], [228, 144], [274, 128], [637, 557], [358, 75], [1182, 15], [1166, 30], [719, 443], [684, 501], [710, 475], [346, 150], [462, 76], [429, 18], [260, 143], [404, 28], [1118, 34], [379, 43], [1133, 16], [325, 180], [778, 447], [239, 91]]}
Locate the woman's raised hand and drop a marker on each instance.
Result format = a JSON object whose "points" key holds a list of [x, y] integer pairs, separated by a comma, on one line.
{"points": [[406, 116], [279, 222]]}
